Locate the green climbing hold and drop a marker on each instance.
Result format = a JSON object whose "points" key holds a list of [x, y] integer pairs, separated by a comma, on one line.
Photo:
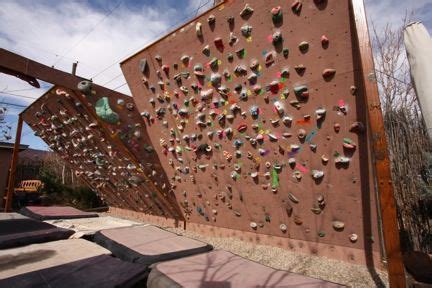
{"points": [[104, 111], [275, 178]]}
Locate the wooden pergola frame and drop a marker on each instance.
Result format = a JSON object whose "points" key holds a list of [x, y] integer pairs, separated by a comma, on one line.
{"points": [[27, 70]]}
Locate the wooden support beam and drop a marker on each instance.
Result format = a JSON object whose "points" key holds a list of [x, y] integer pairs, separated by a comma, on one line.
{"points": [[12, 169], [381, 159], [11, 62]]}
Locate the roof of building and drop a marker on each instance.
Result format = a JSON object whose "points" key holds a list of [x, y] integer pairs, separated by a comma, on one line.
{"points": [[7, 145]]}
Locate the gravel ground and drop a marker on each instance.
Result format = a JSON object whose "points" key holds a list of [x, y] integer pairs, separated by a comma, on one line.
{"points": [[308, 265], [318, 267]]}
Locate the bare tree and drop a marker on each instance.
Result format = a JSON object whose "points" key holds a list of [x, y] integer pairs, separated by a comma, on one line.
{"points": [[409, 145], [5, 129]]}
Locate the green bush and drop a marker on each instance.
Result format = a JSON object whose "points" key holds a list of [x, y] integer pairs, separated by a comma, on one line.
{"points": [[58, 193]]}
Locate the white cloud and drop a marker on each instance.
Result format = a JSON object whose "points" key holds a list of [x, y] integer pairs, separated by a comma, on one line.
{"points": [[45, 30], [383, 12]]}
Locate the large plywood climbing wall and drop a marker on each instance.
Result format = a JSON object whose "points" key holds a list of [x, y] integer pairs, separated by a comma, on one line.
{"points": [[104, 140], [257, 114]]}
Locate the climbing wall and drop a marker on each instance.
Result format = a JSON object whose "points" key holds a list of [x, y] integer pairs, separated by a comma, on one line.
{"points": [[257, 114], [104, 140]]}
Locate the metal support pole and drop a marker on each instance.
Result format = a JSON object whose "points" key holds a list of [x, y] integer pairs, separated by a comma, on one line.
{"points": [[11, 181]]}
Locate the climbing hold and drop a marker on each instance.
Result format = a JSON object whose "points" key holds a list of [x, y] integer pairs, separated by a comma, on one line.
{"points": [[198, 29], [254, 64], [324, 41], [293, 198], [247, 10], [324, 158], [269, 58], [300, 69], [291, 161], [158, 58], [357, 127], [353, 238], [184, 59], [287, 120], [342, 160], [237, 143], [304, 46], [320, 113], [301, 91], [230, 57], [246, 30], [276, 13], [321, 234], [242, 128], [230, 20], [277, 38], [214, 63], [313, 147], [301, 133], [316, 210], [285, 52], [232, 39], [297, 220], [253, 225], [104, 111], [272, 137], [257, 89], [165, 68], [338, 225], [120, 102], [206, 94], [283, 227], [85, 87], [211, 20], [252, 78], [317, 174], [206, 50], [218, 43], [274, 122], [296, 7], [279, 107], [349, 144], [198, 70], [143, 65], [353, 90], [215, 79], [328, 73], [130, 106], [240, 70], [285, 73]]}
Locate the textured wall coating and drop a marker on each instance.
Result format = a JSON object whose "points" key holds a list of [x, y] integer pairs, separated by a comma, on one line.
{"points": [[213, 190]]}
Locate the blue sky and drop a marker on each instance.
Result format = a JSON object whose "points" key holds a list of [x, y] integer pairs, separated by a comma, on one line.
{"points": [[100, 33]]}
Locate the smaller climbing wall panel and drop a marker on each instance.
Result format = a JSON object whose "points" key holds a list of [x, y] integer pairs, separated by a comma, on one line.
{"points": [[105, 141], [257, 112]]}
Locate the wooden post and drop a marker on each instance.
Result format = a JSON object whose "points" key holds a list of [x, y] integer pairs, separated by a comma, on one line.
{"points": [[381, 159], [11, 181]]}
